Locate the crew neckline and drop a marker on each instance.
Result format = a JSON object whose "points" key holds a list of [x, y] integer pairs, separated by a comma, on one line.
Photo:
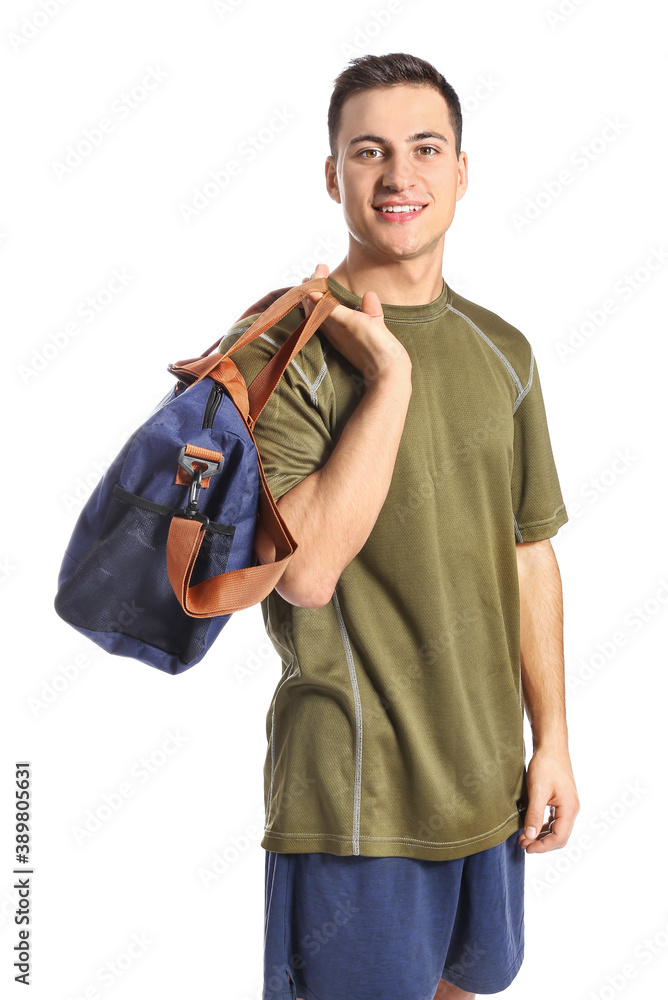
{"points": [[421, 311]]}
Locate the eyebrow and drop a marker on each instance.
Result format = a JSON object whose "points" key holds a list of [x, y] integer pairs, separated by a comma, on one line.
{"points": [[416, 137]]}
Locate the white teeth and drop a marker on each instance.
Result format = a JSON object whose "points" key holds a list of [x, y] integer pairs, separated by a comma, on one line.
{"points": [[402, 208]]}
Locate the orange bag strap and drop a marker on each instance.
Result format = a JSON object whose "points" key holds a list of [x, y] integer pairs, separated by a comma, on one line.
{"points": [[241, 588]]}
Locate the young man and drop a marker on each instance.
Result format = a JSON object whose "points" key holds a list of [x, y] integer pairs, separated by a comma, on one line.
{"points": [[409, 447]]}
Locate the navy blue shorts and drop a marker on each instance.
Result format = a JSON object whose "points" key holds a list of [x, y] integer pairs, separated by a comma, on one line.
{"points": [[367, 928]]}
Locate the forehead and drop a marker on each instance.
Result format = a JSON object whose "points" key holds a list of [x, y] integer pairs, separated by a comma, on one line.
{"points": [[396, 112]]}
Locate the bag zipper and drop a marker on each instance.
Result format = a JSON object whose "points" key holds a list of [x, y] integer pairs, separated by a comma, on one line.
{"points": [[212, 404]]}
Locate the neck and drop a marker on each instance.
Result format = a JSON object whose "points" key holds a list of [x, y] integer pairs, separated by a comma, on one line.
{"points": [[397, 282]]}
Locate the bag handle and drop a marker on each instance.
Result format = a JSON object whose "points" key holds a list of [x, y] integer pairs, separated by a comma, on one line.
{"points": [[268, 378], [212, 364], [241, 588], [257, 307]]}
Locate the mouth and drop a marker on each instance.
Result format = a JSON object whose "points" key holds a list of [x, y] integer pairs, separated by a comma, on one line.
{"points": [[399, 213]]}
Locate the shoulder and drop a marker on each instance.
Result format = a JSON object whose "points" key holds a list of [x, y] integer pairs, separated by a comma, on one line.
{"points": [[252, 357], [508, 341]]}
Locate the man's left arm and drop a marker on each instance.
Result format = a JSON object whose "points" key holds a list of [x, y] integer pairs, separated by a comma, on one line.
{"points": [[550, 780]]}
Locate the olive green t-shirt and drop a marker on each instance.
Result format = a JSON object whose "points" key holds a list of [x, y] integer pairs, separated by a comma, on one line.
{"points": [[396, 727]]}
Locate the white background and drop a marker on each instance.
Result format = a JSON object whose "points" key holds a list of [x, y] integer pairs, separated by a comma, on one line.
{"points": [[536, 86]]}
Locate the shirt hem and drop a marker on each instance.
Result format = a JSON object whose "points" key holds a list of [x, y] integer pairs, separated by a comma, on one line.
{"points": [[538, 530], [378, 847]]}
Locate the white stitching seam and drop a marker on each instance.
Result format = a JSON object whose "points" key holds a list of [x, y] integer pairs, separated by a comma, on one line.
{"points": [[527, 386], [435, 844], [513, 373], [284, 677], [358, 726], [521, 391], [545, 520], [312, 386]]}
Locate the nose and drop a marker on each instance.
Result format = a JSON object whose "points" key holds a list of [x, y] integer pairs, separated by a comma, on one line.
{"points": [[399, 172]]}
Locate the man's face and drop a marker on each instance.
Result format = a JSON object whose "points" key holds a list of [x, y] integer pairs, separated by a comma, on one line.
{"points": [[396, 162]]}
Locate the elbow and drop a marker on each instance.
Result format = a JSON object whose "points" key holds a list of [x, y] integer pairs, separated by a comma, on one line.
{"points": [[303, 592], [296, 585], [305, 582]]}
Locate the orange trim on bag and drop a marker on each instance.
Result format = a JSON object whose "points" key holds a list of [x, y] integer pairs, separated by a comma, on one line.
{"points": [[195, 451]]}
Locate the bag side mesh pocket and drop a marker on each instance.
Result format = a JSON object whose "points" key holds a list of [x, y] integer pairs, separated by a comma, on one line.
{"points": [[122, 584]]}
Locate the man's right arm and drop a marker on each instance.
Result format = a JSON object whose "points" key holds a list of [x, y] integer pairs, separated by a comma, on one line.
{"points": [[332, 511]]}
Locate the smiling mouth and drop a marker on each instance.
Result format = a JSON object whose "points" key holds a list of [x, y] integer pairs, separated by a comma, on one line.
{"points": [[399, 209], [399, 215]]}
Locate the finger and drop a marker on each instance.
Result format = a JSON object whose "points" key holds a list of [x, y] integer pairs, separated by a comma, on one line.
{"points": [[320, 272], [544, 844], [555, 832], [310, 299], [533, 820], [547, 823]]}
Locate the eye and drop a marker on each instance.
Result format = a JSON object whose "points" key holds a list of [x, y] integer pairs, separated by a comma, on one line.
{"points": [[368, 151], [429, 147]]}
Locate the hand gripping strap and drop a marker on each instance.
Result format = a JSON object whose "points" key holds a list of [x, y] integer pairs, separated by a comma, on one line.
{"points": [[241, 588]]}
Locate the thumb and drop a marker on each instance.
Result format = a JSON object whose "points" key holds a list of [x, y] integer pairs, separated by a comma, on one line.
{"points": [[371, 305], [533, 820]]}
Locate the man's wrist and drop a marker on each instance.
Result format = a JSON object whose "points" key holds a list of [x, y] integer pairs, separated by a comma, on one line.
{"points": [[554, 740]]}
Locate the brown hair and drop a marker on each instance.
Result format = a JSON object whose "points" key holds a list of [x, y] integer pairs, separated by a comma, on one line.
{"points": [[366, 72]]}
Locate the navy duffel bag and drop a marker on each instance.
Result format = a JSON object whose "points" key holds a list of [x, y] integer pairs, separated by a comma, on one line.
{"points": [[162, 553]]}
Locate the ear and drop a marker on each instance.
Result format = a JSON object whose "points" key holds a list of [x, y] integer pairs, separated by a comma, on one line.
{"points": [[331, 180]]}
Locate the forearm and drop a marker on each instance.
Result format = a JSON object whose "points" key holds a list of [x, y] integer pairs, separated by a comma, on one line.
{"points": [[332, 512], [541, 642]]}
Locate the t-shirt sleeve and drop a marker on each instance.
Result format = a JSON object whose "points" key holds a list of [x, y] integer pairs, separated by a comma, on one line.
{"points": [[292, 432], [538, 505]]}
